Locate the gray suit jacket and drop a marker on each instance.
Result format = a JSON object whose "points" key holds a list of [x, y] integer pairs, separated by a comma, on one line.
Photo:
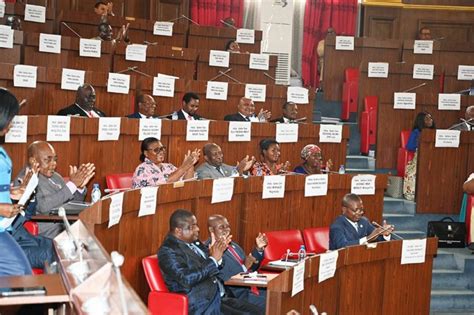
{"points": [[206, 170]]}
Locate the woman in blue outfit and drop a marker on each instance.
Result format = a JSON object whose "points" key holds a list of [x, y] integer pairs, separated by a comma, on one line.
{"points": [[12, 258]]}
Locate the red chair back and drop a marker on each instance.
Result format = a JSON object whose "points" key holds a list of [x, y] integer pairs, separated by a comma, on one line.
{"points": [[469, 227], [119, 181], [404, 156], [404, 136], [153, 274], [316, 239], [364, 133], [279, 242], [31, 227]]}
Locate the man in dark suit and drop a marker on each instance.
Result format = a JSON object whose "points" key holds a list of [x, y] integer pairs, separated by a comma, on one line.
{"points": [[84, 105], [235, 261], [351, 228], [246, 112], [190, 267], [190, 103], [214, 166], [146, 107], [290, 114]]}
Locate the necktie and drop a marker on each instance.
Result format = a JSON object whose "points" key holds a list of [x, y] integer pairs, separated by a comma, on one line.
{"points": [[247, 119], [197, 250], [231, 250], [218, 168]]}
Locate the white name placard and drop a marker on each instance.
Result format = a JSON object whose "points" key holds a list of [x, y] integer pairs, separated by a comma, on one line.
{"points": [[149, 128], [316, 185], [327, 265], [413, 251], [197, 130], [449, 101], [403, 100], [118, 83], [161, 75], [18, 130], [35, 13], [287, 133], [58, 128], [136, 52], [424, 72], [256, 92], [259, 61], [109, 128], [222, 189], [163, 28], [378, 70], [240, 131], [424, 47], [217, 90], [50, 43], [245, 36], [163, 86], [447, 138], [115, 209], [6, 36], [25, 76], [330, 133], [2, 9], [71, 79], [148, 200], [344, 42], [90, 48], [298, 278], [219, 58], [363, 184], [465, 72], [273, 187], [296, 94]]}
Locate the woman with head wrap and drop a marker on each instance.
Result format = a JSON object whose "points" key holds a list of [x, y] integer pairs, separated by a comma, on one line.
{"points": [[312, 161]]}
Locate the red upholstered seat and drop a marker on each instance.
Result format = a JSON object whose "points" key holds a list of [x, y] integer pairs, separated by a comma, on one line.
{"points": [[119, 181], [404, 156], [316, 240], [350, 92], [470, 204], [32, 228], [279, 242], [160, 300], [370, 106]]}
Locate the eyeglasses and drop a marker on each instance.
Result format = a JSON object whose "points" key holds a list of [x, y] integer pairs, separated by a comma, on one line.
{"points": [[158, 150], [357, 210], [189, 227]]}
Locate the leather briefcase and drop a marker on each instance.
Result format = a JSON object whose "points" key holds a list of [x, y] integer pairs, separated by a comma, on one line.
{"points": [[449, 233]]}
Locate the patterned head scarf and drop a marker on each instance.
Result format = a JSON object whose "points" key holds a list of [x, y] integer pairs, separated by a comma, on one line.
{"points": [[308, 150]]}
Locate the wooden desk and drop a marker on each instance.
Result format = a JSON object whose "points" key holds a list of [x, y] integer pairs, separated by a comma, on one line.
{"points": [[55, 291], [238, 281]]}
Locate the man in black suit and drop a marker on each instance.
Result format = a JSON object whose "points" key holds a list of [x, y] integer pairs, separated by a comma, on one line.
{"points": [[290, 114], [146, 107], [246, 112], [190, 107], [190, 267], [84, 105]]}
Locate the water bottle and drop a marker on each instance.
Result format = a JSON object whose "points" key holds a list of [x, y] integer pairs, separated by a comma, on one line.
{"points": [[96, 194], [302, 253], [342, 170]]}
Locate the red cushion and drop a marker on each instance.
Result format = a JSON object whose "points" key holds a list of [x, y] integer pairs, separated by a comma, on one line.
{"points": [[167, 303], [37, 271], [31, 227], [470, 204], [404, 156], [404, 136], [316, 240], [351, 74], [364, 133], [279, 242], [119, 181], [153, 274]]}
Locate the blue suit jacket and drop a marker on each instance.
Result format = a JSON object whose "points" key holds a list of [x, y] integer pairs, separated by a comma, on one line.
{"points": [[342, 233], [186, 272]]}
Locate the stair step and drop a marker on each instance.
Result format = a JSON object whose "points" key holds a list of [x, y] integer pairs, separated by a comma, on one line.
{"points": [[360, 162], [445, 261], [448, 300], [398, 205]]}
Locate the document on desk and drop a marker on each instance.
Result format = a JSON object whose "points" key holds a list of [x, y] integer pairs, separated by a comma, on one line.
{"points": [[282, 263], [298, 278]]}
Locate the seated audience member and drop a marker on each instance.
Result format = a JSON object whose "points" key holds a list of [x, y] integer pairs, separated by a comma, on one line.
{"points": [[320, 53], [467, 124], [14, 22], [352, 228], [232, 46], [229, 22], [424, 34], [191, 268], [146, 107], [100, 8], [52, 191], [469, 184], [154, 171], [106, 33], [214, 166], [190, 105], [270, 155], [246, 108], [235, 261], [423, 120], [290, 114], [13, 261], [84, 105], [312, 161]]}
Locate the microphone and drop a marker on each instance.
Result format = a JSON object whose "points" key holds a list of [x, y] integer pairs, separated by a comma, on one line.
{"points": [[229, 25], [117, 261], [386, 229], [77, 244], [415, 87], [71, 29], [183, 17], [313, 309]]}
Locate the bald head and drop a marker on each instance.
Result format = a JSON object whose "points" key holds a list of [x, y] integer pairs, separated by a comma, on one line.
{"points": [[348, 199], [43, 153], [146, 105], [213, 154], [246, 107], [85, 97], [219, 226], [470, 112]]}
